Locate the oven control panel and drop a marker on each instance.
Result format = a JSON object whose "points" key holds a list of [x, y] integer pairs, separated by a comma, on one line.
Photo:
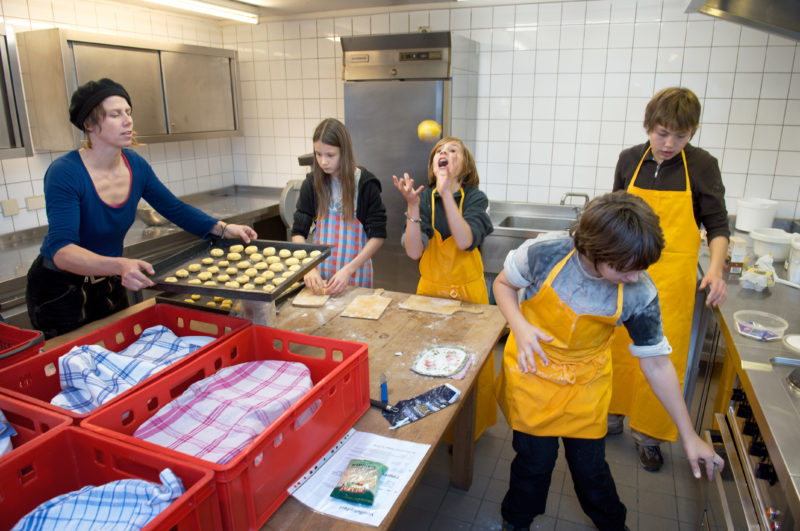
{"points": [[766, 494]]}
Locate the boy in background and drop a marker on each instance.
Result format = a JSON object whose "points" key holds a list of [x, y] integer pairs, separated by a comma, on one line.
{"points": [[683, 185]]}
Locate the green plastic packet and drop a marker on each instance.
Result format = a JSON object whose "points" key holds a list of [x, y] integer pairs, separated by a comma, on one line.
{"points": [[359, 481]]}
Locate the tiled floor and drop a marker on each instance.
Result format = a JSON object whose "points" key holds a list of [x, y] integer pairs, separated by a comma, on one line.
{"points": [[666, 500]]}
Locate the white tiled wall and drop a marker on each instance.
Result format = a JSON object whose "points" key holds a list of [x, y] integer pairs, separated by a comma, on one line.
{"points": [[563, 88], [185, 167]]}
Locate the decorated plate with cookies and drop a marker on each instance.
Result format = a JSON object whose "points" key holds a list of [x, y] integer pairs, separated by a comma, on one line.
{"points": [[260, 270]]}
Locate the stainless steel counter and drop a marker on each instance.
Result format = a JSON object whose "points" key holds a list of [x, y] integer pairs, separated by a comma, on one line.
{"points": [[235, 204], [776, 407]]}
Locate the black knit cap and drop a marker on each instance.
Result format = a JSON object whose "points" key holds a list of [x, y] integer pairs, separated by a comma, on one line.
{"points": [[89, 95]]}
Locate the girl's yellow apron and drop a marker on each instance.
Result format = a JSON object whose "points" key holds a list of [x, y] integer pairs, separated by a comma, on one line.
{"points": [[449, 272], [675, 276], [570, 396]]}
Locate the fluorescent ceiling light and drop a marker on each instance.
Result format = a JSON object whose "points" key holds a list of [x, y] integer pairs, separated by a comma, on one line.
{"points": [[209, 9]]}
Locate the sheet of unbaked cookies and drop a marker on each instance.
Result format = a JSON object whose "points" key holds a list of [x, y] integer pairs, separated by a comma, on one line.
{"points": [[246, 267]]}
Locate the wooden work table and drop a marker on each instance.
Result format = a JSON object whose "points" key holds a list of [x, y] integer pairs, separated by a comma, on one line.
{"points": [[394, 341]]}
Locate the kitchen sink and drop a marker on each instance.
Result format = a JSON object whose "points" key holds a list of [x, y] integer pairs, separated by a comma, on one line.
{"points": [[537, 224]]}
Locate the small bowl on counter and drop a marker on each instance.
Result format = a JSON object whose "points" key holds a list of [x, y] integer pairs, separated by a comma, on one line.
{"points": [[760, 325], [775, 242]]}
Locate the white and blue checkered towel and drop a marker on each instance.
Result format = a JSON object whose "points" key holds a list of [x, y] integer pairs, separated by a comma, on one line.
{"points": [[126, 504], [91, 375]]}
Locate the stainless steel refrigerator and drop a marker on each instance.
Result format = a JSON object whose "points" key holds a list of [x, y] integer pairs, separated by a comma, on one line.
{"points": [[392, 83]]}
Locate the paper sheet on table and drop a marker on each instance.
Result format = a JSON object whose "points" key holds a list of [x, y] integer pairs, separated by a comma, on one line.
{"points": [[401, 457]]}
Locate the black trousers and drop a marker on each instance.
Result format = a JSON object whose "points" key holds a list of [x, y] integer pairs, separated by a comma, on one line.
{"points": [[531, 471], [59, 302]]}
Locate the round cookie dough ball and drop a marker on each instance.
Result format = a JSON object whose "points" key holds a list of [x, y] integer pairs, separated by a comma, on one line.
{"points": [[234, 257], [284, 253], [238, 248], [216, 252], [232, 284], [205, 275], [231, 270], [249, 285], [259, 280], [223, 277], [273, 260], [276, 267], [218, 298], [269, 288], [268, 251], [194, 268], [292, 261], [294, 267], [242, 279], [213, 270], [300, 254], [223, 263], [212, 304], [256, 257], [207, 260], [181, 273], [260, 266], [250, 249], [278, 280], [251, 272], [268, 275], [244, 264], [171, 279], [195, 281], [287, 274], [314, 253], [307, 260], [189, 300], [209, 283], [195, 296]]}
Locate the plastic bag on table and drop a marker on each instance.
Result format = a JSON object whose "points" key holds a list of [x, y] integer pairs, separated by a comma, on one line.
{"points": [[421, 406]]}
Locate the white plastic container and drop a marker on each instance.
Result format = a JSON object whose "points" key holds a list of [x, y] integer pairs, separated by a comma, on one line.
{"points": [[754, 213], [771, 241], [793, 263]]}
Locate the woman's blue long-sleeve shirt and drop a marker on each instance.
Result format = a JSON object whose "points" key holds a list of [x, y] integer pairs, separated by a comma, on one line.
{"points": [[76, 213]]}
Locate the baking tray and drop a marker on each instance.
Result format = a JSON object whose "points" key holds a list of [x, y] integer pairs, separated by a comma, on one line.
{"points": [[177, 299], [201, 249]]}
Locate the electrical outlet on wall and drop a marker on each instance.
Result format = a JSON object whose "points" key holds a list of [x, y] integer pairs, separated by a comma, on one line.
{"points": [[34, 202], [10, 207]]}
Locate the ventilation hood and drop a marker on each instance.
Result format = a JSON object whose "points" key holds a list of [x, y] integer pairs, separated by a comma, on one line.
{"points": [[781, 17]]}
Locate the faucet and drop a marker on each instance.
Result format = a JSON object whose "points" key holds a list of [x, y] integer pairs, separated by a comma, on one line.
{"points": [[573, 194], [578, 208]]}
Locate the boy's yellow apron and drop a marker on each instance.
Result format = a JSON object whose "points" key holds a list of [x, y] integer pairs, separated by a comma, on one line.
{"points": [[570, 396], [449, 272], [675, 276]]}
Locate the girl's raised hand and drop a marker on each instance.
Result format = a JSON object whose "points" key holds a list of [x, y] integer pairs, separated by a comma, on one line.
{"points": [[406, 187]]}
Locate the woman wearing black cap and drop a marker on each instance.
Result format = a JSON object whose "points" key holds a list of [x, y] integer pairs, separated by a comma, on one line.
{"points": [[91, 195]]}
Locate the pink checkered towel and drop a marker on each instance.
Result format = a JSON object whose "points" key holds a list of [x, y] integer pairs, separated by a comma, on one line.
{"points": [[215, 418]]}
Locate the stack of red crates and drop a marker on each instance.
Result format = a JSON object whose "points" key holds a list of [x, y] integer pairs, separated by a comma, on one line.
{"points": [[254, 484], [35, 378], [70, 458]]}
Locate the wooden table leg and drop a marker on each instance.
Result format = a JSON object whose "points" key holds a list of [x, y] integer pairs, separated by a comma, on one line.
{"points": [[464, 442]]}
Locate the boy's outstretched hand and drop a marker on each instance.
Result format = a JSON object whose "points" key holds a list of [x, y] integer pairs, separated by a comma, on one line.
{"points": [[699, 452]]}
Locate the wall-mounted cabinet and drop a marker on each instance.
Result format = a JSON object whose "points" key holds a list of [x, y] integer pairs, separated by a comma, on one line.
{"points": [[15, 140], [179, 92]]}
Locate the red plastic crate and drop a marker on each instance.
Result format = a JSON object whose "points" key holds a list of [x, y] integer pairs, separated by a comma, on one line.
{"points": [[17, 341], [253, 484], [29, 421], [68, 459], [36, 379]]}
